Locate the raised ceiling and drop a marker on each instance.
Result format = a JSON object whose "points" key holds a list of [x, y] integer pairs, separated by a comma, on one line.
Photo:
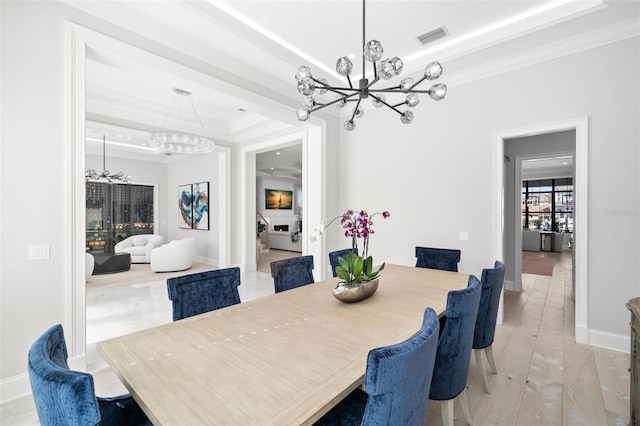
{"points": [[258, 45]]}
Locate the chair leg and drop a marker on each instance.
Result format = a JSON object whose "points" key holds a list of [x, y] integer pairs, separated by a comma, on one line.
{"points": [[481, 372], [465, 406], [446, 412], [492, 363]]}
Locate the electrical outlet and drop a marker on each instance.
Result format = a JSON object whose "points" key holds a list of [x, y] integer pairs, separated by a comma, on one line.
{"points": [[463, 235]]}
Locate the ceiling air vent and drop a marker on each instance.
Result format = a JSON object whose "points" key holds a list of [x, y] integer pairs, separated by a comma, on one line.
{"points": [[432, 36]]}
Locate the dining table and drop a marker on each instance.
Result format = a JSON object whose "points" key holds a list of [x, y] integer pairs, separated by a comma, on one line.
{"points": [[283, 359]]}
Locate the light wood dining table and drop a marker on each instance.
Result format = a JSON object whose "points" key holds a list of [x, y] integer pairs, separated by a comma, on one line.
{"points": [[284, 359]]}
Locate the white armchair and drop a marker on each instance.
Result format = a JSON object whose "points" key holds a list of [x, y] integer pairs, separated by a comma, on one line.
{"points": [[177, 255], [139, 246]]}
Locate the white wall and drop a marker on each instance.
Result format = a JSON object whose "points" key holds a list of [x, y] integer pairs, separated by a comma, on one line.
{"points": [[435, 176], [142, 173], [35, 176], [201, 168]]}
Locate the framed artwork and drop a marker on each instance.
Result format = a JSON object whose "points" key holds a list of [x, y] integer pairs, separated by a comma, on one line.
{"points": [[277, 199], [193, 206], [185, 204]]}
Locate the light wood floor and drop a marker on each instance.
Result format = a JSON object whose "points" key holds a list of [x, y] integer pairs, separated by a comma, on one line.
{"points": [[544, 376], [264, 262]]}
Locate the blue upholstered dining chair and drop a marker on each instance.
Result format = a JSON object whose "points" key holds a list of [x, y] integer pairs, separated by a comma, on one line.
{"points": [[454, 350], [67, 397], [437, 258], [202, 292], [292, 273], [396, 386], [491, 281], [335, 255]]}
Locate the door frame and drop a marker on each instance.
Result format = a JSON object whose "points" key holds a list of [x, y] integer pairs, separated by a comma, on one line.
{"points": [[580, 221]]}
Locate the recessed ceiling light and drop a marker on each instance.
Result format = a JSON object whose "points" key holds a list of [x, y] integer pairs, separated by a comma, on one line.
{"points": [[565, 163], [271, 168], [278, 153]]}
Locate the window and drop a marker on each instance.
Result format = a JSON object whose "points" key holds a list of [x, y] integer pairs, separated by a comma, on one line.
{"points": [[115, 212], [547, 204]]}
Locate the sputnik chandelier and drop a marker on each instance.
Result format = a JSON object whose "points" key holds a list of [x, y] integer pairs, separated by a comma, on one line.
{"points": [[386, 69], [178, 142], [105, 175]]}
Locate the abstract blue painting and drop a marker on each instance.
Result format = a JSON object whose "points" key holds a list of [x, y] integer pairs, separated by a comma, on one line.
{"points": [[193, 206]]}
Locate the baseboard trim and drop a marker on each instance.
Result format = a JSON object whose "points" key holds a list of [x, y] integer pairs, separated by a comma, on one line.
{"points": [[17, 387], [612, 341], [14, 388], [207, 260], [512, 285]]}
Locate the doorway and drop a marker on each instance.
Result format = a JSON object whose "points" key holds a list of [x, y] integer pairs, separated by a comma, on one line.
{"points": [[508, 236], [79, 41]]}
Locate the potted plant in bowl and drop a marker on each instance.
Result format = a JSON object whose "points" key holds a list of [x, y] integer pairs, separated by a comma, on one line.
{"points": [[359, 278]]}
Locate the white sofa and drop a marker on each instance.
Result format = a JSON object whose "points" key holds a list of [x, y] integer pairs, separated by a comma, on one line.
{"points": [[177, 255], [89, 264], [139, 246]]}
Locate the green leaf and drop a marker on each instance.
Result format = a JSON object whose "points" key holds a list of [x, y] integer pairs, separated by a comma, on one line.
{"points": [[358, 268], [368, 265], [343, 273]]}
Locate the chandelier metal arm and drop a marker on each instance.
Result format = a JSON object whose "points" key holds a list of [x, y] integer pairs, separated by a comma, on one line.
{"points": [[333, 88], [355, 110], [345, 98], [392, 90], [417, 82], [385, 103], [374, 81]]}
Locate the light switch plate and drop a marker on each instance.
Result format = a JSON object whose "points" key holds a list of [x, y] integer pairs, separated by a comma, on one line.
{"points": [[464, 235], [41, 252]]}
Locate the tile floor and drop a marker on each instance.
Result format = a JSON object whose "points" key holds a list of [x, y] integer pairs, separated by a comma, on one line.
{"points": [[118, 310]]}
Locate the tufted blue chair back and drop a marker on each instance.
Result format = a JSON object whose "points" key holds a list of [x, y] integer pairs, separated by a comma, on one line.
{"points": [[454, 349], [65, 397], [335, 255], [492, 281], [396, 383], [202, 292], [398, 378], [62, 396], [437, 258], [292, 273]]}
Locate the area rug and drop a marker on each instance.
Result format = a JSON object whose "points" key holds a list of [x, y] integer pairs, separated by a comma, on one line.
{"points": [[538, 265]]}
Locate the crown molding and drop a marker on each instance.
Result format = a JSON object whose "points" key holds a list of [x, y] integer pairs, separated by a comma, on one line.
{"points": [[589, 40], [569, 46]]}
